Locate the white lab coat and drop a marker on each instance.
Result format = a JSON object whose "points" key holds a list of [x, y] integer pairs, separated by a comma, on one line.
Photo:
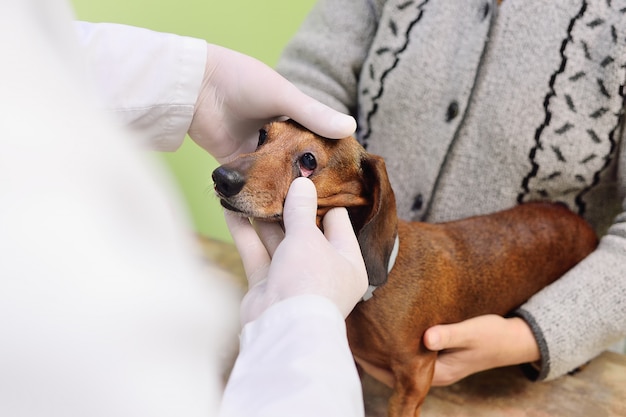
{"points": [[105, 308]]}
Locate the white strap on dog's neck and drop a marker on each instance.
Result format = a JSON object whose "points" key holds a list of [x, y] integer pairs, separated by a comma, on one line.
{"points": [[392, 261], [394, 254]]}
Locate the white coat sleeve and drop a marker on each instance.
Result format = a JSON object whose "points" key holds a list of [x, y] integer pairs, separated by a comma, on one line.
{"points": [[149, 80], [105, 309], [295, 361]]}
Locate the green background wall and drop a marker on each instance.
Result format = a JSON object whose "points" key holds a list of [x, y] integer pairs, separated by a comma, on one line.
{"points": [[258, 28]]}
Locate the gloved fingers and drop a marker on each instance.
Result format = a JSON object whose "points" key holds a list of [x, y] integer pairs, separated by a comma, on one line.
{"points": [[272, 96], [254, 255], [270, 233], [312, 114], [339, 232], [300, 207], [287, 100]]}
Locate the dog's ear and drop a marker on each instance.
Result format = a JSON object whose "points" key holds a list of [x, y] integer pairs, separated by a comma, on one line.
{"points": [[379, 223]]}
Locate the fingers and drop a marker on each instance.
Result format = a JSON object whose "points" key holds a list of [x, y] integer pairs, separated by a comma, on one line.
{"points": [[270, 233], [271, 96], [450, 336], [480, 343], [254, 255], [435, 338], [258, 246], [316, 116], [287, 100], [300, 206], [458, 357], [339, 232]]}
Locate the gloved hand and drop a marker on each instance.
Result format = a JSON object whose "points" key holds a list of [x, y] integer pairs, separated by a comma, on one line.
{"points": [[302, 260], [240, 94]]}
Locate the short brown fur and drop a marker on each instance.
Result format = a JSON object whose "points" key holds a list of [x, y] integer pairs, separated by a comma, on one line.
{"points": [[444, 273]]}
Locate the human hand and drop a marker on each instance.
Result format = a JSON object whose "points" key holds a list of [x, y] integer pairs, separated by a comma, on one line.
{"points": [[301, 260], [478, 344], [240, 94]]}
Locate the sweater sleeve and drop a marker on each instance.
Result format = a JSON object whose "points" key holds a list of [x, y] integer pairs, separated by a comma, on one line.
{"points": [[325, 57], [584, 312], [149, 80], [297, 347]]}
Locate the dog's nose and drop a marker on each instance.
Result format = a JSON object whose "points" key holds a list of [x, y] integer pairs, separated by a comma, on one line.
{"points": [[228, 182]]}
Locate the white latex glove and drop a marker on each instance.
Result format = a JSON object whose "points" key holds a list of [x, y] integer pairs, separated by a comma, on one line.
{"points": [[302, 260], [240, 94]]}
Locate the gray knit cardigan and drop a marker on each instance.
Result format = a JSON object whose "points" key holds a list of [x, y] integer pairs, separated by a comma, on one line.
{"points": [[477, 107]]}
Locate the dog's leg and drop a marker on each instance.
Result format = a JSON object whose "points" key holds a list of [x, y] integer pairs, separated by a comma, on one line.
{"points": [[413, 380]]}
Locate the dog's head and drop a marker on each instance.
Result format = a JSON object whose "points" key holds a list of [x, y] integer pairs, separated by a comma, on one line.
{"points": [[344, 174]]}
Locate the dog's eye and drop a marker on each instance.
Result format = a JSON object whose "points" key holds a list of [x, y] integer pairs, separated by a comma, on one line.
{"points": [[262, 137], [308, 162]]}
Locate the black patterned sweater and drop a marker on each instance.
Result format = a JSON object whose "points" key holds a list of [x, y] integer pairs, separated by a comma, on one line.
{"points": [[477, 107]]}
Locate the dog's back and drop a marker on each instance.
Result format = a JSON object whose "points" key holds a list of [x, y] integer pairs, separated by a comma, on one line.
{"points": [[503, 258]]}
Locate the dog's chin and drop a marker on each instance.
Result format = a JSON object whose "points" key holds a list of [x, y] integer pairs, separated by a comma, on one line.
{"points": [[277, 217]]}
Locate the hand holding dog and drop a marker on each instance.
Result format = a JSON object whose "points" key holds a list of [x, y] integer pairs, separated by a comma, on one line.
{"points": [[478, 344], [475, 345], [240, 94], [302, 260]]}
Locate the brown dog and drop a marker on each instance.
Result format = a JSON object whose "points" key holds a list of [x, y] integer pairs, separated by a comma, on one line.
{"points": [[443, 273]]}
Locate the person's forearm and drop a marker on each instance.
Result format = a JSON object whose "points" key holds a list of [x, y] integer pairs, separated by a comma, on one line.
{"points": [[295, 360], [581, 314]]}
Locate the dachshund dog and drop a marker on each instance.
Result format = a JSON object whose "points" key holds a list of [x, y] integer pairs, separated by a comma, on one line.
{"points": [[441, 273]]}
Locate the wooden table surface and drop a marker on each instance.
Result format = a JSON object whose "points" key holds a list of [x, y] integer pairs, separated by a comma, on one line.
{"points": [[597, 390]]}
